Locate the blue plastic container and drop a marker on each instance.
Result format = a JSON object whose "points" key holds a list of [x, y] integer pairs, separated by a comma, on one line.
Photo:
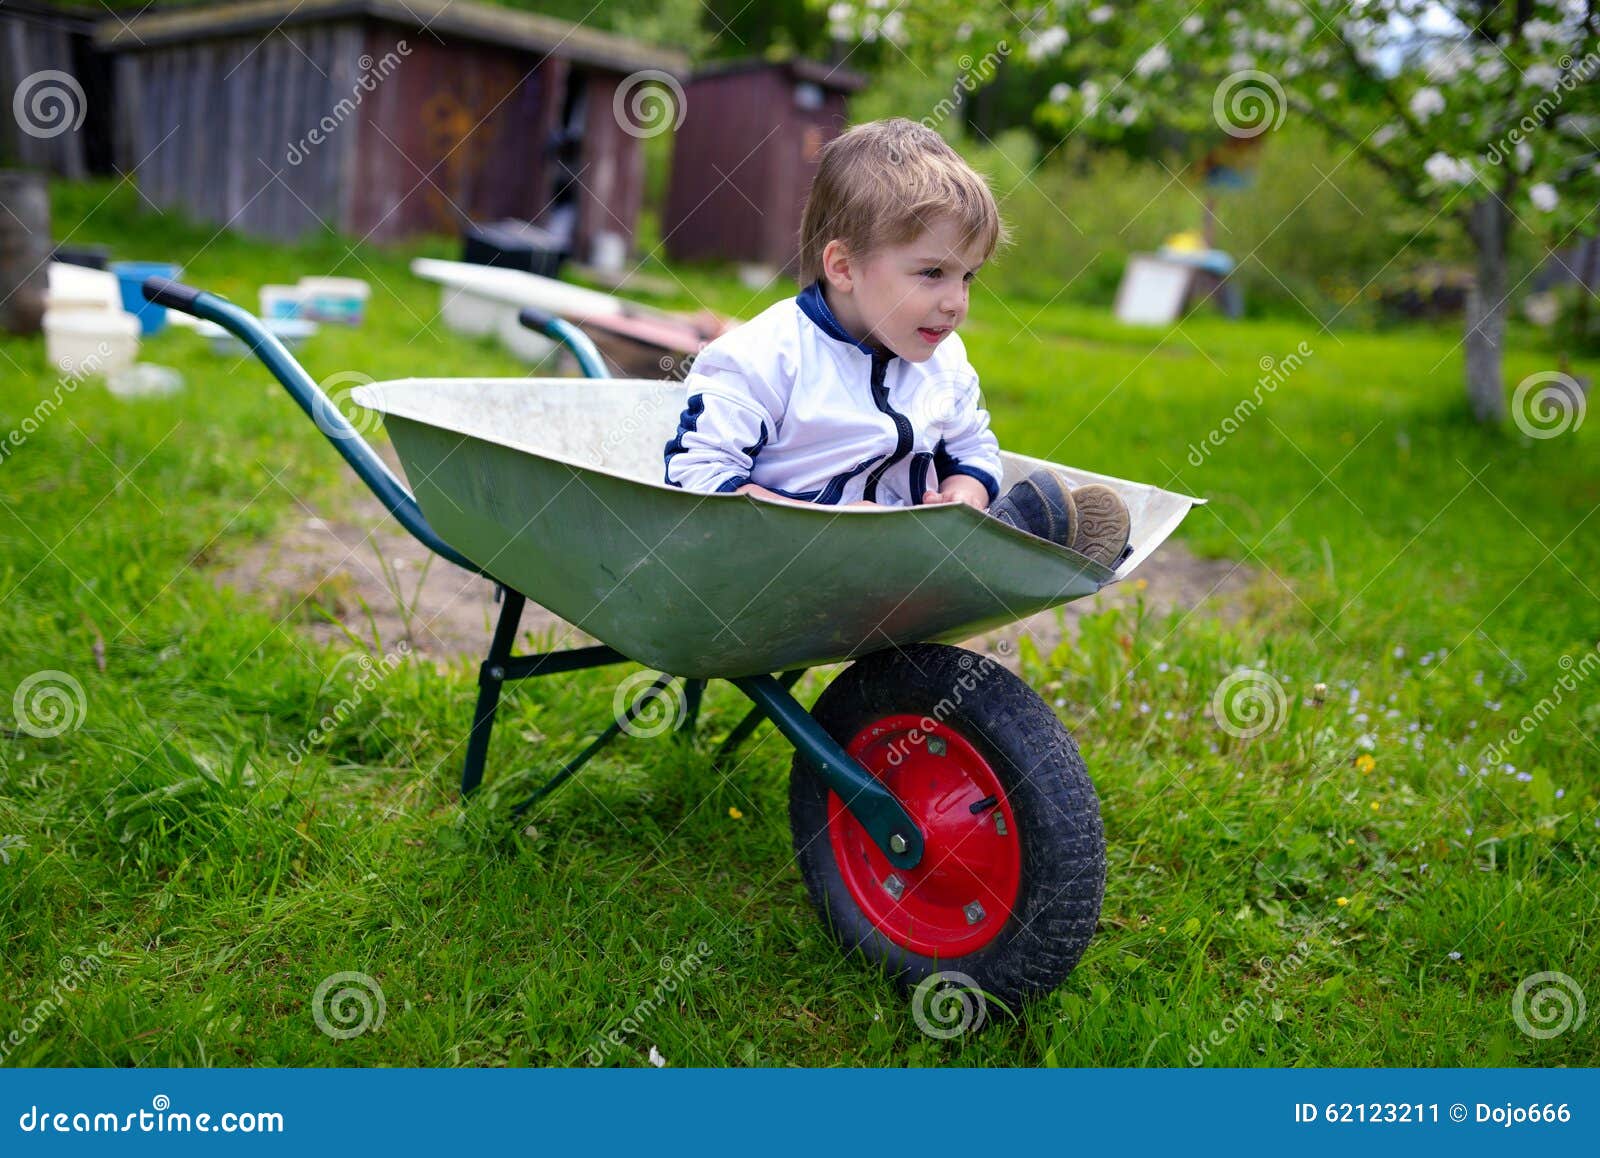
{"points": [[130, 276]]}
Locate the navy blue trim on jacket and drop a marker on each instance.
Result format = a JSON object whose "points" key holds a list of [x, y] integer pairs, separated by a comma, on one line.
{"points": [[688, 421], [815, 307], [947, 464]]}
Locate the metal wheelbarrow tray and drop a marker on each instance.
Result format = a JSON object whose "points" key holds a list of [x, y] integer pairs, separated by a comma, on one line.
{"points": [[942, 817]]}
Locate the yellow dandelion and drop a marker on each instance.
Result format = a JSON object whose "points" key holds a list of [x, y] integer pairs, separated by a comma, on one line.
{"points": [[1341, 901], [1365, 763], [735, 813], [1374, 806], [1140, 584], [1350, 840]]}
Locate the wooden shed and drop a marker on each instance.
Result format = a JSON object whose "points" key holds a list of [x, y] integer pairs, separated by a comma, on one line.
{"points": [[744, 156], [379, 118], [57, 89]]}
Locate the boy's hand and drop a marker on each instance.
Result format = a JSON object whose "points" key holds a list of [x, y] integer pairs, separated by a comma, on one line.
{"points": [[959, 488]]}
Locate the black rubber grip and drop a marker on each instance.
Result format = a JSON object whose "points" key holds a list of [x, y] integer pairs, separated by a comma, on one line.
{"points": [[536, 319], [163, 291]]}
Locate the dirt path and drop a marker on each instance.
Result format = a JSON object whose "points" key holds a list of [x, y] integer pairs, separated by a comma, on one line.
{"points": [[363, 569]]}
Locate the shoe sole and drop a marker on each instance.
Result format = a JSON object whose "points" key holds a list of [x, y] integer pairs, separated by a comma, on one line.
{"points": [[1103, 524]]}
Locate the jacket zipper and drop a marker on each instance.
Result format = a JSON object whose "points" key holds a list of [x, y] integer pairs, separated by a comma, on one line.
{"points": [[902, 426]]}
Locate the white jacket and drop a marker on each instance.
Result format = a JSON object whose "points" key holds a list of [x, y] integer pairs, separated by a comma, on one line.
{"points": [[791, 402]]}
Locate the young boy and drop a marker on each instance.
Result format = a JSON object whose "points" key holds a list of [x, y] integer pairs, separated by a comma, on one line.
{"points": [[857, 392]]}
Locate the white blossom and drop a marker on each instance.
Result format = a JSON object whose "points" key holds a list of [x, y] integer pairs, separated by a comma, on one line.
{"points": [[1192, 25], [1522, 156], [1101, 14], [1425, 102], [1046, 43], [1155, 59], [1059, 92], [1448, 170], [1543, 196], [1327, 91], [1538, 33], [1541, 76], [1091, 97], [1385, 134], [1490, 69]]}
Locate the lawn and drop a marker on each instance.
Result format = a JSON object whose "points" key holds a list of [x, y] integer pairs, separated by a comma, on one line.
{"points": [[1352, 886]]}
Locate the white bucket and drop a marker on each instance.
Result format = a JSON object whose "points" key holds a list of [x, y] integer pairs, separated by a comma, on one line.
{"points": [[471, 314], [525, 344], [74, 285], [334, 299], [83, 342]]}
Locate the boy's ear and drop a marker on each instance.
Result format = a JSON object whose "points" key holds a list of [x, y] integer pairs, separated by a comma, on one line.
{"points": [[836, 266]]}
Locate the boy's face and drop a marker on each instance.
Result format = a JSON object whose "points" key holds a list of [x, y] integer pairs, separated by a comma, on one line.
{"points": [[906, 298]]}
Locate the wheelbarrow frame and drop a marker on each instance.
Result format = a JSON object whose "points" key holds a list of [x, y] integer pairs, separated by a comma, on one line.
{"points": [[873, 805]]}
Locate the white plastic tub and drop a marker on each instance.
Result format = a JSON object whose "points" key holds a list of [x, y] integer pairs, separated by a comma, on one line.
{"points": [[74, 287], [280, 302], [83, 342], [334, 299]]}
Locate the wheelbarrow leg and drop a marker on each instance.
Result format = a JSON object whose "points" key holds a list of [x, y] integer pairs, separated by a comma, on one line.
{"points": [[570, 768], [868, 799], [693, 691], [752, 721], [491, 676]]}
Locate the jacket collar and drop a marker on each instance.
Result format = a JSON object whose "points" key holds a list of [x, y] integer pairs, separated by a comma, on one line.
{"points": [[815, 307]]}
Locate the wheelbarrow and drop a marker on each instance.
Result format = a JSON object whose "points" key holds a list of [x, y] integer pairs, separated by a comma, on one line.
{"points": [[942, 817]]}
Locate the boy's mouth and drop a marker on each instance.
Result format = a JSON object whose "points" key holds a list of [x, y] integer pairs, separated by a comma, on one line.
{"points": [[933, 334]]}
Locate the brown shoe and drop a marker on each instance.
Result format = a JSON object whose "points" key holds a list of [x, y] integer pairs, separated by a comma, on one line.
{"points": [[1103, 524]]}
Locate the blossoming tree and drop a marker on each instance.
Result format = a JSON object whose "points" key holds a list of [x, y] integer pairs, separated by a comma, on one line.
{"points": [[1485, 113]]}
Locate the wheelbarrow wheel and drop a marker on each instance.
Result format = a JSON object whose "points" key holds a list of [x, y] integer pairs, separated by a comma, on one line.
{"points": [[1009, 887]]}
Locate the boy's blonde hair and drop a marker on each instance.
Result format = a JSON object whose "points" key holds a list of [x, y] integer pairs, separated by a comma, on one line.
{"points": [[883, 183]]}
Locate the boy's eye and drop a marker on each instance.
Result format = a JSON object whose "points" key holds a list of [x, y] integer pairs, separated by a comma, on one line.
{"points": [[932, 272]]}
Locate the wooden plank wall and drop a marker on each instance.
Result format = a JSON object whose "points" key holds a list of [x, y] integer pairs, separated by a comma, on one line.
{"points": [[459, 131], [28, 47], [219, 129], [742, 165], [453, 130]]}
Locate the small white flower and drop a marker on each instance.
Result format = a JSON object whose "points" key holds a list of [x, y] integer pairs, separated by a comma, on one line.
{"points": [[1490, 69], [1327, 91], [1540, 32], [1541, 76], [1522, 156], [656, 1059], [1155, 59], [1385, 134], [1059, 92], [1047, 43], [1101, 14], [1543, 196], [1425, 103], [1192, 25], [1447, 170]]}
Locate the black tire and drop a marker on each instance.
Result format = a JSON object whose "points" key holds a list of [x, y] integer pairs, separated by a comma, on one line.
{"points": [[1045, 784]]}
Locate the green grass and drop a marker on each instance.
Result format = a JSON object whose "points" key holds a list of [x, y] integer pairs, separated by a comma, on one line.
{"points": [[1430, 573]]}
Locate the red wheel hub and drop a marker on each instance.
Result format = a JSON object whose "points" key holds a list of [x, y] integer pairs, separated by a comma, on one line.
{"points": [[963, 891]]}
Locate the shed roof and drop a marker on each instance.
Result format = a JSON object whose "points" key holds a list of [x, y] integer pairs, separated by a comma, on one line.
{"points": [[832, 76], [485, 23]]}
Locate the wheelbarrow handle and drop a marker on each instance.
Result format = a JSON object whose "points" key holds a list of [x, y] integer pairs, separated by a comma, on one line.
{"points": [[563, 331], [318, 406]]}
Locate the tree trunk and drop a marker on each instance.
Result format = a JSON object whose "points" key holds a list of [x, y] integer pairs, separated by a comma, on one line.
{"points": [[24, 250], [1486, 312]]}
